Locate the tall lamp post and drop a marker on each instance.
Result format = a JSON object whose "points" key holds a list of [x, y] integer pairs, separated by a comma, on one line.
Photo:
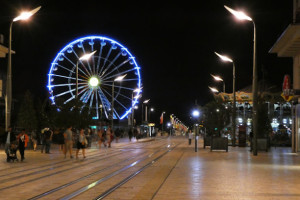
{"points": [[132, 97], [242, 16], [84, 57], [196, 114], [218, 78], [21, 17], [118, 79], [227, 59], [144, 102]]}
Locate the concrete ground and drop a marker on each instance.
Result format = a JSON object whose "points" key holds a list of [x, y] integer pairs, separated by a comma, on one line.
{"points": [[175, 171]]}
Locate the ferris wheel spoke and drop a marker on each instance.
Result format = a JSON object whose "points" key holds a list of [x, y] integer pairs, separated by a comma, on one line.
{"points": [[105, 101], [69, 91], [99, 57], [86, 96], [116, 100], [111, 63], [63, 68], [121, 87], [115, 68], [129, 98], [115, 112], [87, 62], [84, 67], [73, 97], [106, 58], [92, 98], [123, 80], [67, 77], [97, 109], [61, 85], [119, 74], [93, 58]]}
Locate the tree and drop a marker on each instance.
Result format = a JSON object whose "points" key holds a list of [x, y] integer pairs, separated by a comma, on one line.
{"points": [[26, 117]]}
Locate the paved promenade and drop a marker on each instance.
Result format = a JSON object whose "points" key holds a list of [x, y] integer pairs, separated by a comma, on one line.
{"points": [[163, 168]]}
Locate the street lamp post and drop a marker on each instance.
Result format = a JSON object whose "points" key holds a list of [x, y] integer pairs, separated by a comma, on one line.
{"points": [[151, 110], [144, 102], [132, 97], [196, 114], [217, 78], [119, 78], [227, 59], [242, 16], [21, 17], [84, 57]]}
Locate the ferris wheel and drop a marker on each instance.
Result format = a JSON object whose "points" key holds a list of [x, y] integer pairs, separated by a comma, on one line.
{"points": [[94, 81]]}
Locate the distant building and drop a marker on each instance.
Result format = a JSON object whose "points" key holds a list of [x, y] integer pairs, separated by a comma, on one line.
{"points": [[288, 45], [279, 110]]}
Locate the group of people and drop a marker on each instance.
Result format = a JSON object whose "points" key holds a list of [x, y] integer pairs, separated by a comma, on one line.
{"points": [[105, 137], [64, 138], [12, 142]]}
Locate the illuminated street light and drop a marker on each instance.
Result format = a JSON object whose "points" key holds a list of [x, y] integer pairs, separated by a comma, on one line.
{"points": [[22, 17], [118, 79], [93, 81], [242, 16], [227, 59], [218, 78], [137, 90], [146, 109], [196, 113], [214, 90]]}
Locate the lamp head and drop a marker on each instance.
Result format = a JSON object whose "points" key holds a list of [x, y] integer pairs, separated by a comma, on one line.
{"points": [[26, 14], [217, 78], [87, 56], [214, 90], [224, 58], [120, 78], [238, 14]]}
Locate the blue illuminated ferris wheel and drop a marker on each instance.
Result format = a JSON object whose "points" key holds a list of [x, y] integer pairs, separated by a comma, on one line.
{"points": [[96, 76]]}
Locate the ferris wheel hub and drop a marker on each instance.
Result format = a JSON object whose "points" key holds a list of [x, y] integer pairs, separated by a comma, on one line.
{"points": [[94, 82]]}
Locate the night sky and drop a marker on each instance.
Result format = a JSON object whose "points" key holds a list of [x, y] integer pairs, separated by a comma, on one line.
{"points": [[173, 43]]}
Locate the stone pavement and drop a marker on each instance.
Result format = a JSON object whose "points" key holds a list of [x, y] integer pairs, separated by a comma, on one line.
{"points": [[183, 173]]}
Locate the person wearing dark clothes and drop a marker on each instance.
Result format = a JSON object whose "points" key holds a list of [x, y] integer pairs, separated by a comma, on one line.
{"points": [[8, 139], [61, 140], [22, 139], [47, 138], [130, 134]]}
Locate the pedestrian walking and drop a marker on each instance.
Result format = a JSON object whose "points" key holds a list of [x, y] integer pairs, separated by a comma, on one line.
{"points": [[8, 139], [81, 143], [47, 139], [117, 134], [61, 140], [68, 136], [109, 136], [190, 137], [22, 139], [101, 138], [33, 137], [130, 134]]}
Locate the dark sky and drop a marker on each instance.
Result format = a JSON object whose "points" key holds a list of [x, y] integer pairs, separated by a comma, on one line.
{"points": [[173, 43]]}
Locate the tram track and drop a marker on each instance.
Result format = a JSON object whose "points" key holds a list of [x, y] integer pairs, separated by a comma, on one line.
{"points": [[116, 186], [95, 154], [95, 173]]}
